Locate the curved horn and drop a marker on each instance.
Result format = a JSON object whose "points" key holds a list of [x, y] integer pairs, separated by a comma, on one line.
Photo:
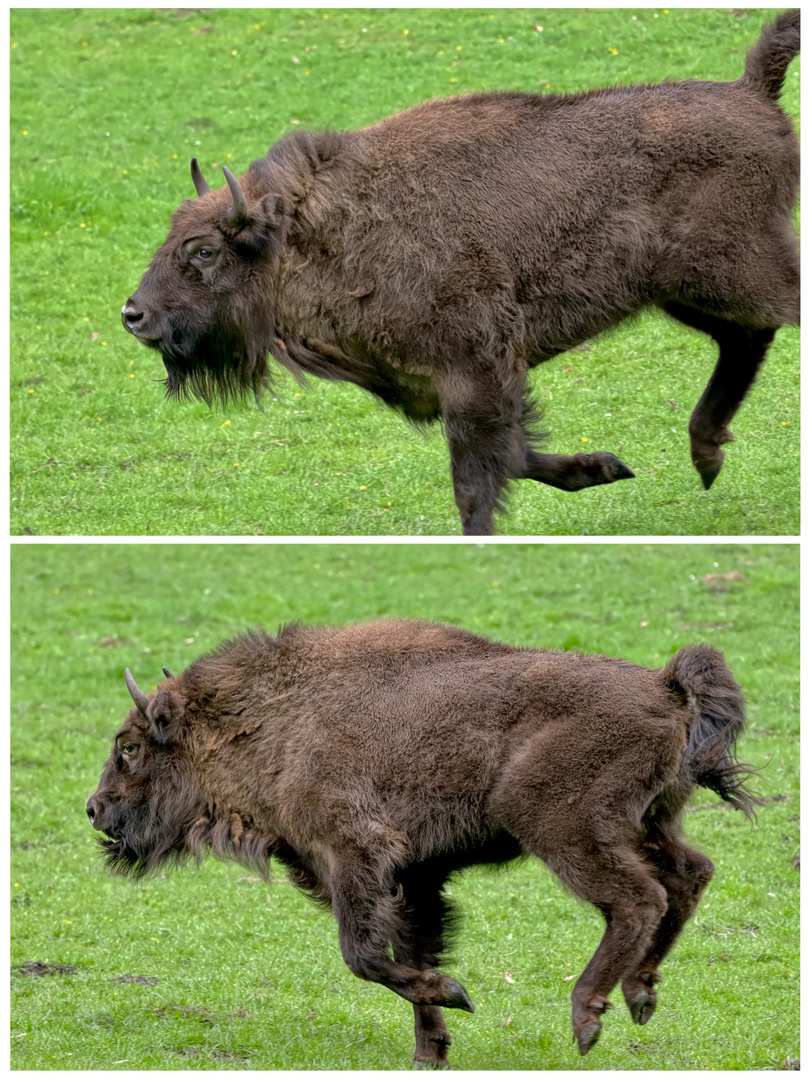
{"points": [[236, 217], [167, 673], [136, 693], [199, 179]]}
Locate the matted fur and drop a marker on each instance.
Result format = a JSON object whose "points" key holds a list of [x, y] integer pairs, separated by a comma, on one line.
{"points": [[436, 256], [376, 761]]}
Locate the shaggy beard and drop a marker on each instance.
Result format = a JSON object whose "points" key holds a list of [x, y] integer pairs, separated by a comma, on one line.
{"points": [[210, 378], [124, 860]]}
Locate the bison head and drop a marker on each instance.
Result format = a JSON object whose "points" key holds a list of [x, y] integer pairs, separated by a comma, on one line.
{"points": [[204, 303], [146, 801]]}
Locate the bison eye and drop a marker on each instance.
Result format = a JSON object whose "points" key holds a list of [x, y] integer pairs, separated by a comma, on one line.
{"points": [[129, 749], [205, 253]]}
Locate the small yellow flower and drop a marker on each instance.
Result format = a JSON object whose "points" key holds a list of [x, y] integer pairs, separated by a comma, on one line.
{"points": [[613, 51], [25, 133], [235, 464], [226, 424], [405, 31], [30, 391], [233, 52], [131, 376], [584, 438], [363, 488], [785, 423]]}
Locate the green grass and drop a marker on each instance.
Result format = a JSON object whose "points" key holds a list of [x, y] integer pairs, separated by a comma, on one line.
{"points": [[250, 975], [107, 108]]}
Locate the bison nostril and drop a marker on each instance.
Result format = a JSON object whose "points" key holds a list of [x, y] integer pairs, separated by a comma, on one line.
{"points": [[131, 317], [90, 812]]}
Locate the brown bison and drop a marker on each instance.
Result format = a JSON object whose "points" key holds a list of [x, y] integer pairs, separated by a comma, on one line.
{"points": [[378, 760], [433, 258]]}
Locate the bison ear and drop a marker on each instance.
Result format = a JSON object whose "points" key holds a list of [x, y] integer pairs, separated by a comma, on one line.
{"points": [[272, 210], [265, 229], [166, 711]]}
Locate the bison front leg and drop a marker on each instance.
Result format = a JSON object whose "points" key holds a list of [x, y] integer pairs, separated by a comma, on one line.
{"points": [[480, 451], [572, 472], [482, 413], [575, 472], [425, 916], [368, 920]]}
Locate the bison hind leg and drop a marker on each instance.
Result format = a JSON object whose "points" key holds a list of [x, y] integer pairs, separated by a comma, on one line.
{"points": [[684, 873], [742, 351]]}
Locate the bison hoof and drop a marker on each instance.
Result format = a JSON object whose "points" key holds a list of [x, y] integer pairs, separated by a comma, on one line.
{"points": [[709, 476], [457, 997], [642, 1006], [708, 464], [587, 1037], [614, 468]]}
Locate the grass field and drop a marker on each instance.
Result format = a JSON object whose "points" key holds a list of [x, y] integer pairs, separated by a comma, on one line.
{"points": [[211, 970], [107, 108]]}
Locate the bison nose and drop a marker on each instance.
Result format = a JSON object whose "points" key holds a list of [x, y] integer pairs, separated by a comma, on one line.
{"points": [[131, 317], [91, 811]]}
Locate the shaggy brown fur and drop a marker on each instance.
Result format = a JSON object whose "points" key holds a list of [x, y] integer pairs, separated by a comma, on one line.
{"points": [[378, 760], [435, 257]]}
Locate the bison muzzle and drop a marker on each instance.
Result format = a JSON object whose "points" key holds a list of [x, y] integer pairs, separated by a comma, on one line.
{"points": [[376, 761], [437, 256]]}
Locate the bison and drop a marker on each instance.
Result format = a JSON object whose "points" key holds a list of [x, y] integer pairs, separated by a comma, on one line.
{"points": [[434, 257], [376, 761]]}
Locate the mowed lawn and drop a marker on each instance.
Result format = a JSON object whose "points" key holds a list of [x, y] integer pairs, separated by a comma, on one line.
{"points": [[211, 969], [107, 108]]}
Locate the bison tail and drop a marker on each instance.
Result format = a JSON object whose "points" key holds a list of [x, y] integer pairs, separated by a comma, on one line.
{"points": [[701, 674], [767, 62]]}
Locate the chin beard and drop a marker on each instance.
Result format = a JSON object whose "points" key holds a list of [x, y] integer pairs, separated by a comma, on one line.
{"points": [[122, 859], [219, 376]]}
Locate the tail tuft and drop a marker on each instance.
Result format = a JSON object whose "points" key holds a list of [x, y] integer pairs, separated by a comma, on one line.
{"points": [[767, 62], [701, 673]]}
